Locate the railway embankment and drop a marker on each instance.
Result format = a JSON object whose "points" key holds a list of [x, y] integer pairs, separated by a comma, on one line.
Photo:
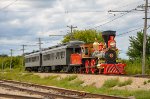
{"points": [[121, 81], [137, 87]]}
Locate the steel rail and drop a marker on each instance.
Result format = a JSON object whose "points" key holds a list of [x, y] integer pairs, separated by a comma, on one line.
{"points": [[16, 96], [81, 94], [48, 95]]}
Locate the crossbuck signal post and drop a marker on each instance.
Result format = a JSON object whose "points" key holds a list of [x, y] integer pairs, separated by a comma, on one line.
{"points": [[144, 34]]}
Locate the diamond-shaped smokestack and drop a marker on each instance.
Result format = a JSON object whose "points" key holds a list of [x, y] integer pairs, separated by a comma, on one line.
{"points": [[106, 35]]}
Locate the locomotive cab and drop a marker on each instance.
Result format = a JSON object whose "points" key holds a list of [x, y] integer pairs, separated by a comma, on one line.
{"points": [[86, 50]]}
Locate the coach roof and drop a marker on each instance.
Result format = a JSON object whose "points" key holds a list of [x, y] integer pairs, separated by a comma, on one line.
{"points": [[70, 44]]}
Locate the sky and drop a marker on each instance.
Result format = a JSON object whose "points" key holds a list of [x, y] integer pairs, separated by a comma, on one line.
{"points": [[24, 21]]}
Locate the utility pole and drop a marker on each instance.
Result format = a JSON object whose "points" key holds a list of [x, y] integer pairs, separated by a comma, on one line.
{"points": [[71, 28], [144, 38], [40, 43], [40, 49], [23, 49], [11, 52]]}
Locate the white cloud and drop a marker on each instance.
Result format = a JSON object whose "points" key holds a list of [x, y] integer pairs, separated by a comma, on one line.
{"points": [[15, 23], [29, 19]]}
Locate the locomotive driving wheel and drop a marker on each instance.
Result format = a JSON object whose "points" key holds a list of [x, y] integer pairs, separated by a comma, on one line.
{"points": [[93, 63], [87, 64]]}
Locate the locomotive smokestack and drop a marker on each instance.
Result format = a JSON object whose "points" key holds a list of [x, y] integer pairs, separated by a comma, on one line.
{"points": [[106, 35]]}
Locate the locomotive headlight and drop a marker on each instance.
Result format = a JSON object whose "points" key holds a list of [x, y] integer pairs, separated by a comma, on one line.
{"points": [[113, 44]]}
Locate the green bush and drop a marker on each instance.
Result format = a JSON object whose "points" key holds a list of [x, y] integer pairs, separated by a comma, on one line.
{"points": [[145, 82], [16, 62], [135, 66]]}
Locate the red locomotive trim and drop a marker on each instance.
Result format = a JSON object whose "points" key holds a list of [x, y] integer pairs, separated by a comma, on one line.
{"points": [[76, 59], [113, 68]]}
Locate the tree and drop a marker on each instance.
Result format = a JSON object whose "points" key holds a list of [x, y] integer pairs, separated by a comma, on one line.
{"points": [[3, 55], [135, 49], [88, 36]]}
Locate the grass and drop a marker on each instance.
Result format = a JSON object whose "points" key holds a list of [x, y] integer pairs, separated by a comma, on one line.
{"points": [[134, 66], [72, 82], [115, 82], [127, 82], [146, 82], [110, 83]]}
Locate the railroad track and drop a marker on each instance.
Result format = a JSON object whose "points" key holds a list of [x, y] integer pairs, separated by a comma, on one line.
{"points": [[50, 92], [16, 96]]}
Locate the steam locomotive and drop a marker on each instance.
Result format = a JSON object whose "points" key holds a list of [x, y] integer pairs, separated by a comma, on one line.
{"points": [[78, 57]]}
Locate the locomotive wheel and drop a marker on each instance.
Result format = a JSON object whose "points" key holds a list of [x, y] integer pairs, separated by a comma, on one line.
{"points": [[87, 63], [93, 62]]}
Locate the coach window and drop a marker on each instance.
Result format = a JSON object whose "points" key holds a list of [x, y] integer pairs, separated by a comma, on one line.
{"points": [[48, 56], [33, 59], [26, 60], [44, 57], [57, 55], [52, 56], [37, 58], [63, 54], [29, 59]]}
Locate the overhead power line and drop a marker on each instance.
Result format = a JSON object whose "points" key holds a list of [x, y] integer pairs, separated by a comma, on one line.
{"points": [[110, 21], [114, 18], [130, 31]]}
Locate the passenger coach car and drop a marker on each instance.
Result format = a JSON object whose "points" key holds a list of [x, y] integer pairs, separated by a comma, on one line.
{"points": [[55, 58]]}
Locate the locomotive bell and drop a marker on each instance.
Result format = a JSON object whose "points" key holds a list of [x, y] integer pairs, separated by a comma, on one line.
{"points": [[107, 34]]}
